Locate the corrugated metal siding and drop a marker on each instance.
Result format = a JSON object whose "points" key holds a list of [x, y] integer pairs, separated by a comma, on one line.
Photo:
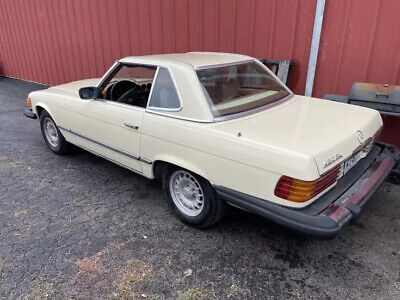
{"points": [[360, 42], [56, 41]]}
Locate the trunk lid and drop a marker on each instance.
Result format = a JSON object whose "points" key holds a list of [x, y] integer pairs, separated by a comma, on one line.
{"points": [[329, 131]]}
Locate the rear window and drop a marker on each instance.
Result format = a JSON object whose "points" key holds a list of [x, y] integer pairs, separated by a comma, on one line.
{"points": [[239, 87]]}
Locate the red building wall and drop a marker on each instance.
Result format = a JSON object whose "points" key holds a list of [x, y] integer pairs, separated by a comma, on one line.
{"points": [[56, 41], [360, 42]]}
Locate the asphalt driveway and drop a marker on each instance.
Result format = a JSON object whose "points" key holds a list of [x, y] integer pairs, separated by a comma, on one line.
{"points": [[79, 227]]}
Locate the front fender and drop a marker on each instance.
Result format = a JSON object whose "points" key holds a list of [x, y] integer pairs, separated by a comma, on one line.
{"points": [[54, 104], [38, 98], [44, 106]]}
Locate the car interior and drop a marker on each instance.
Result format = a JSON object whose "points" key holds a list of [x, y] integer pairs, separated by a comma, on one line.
{"points": [[222, 88], [236, 88], [130, 85]]}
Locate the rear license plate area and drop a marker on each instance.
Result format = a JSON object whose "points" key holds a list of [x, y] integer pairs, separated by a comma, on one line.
{"points": [[351, 162]]}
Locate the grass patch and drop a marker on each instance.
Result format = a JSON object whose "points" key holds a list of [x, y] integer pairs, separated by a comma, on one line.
{"points": [[205, 293], [6, 163], [236, 291], [20, 213], [191, 294], [91, 264], [41, 290], [135, 271]]}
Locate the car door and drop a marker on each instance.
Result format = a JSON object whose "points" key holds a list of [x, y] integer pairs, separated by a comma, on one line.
{"points": [[109, 128]]}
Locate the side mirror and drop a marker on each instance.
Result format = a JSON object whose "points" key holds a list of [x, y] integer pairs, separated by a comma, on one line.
{"points": [[90, 92]]}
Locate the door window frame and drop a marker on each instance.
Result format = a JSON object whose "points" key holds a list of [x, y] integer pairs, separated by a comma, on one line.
{"points": [[156, 108], [108, 76]]}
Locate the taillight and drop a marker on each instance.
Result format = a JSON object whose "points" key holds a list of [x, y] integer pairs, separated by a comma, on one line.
{"points": [[29, 102], [301, 191]]}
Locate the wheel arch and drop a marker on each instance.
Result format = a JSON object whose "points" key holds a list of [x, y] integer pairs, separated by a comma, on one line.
{"points": [[40, 107], [39, 110], [161, 163]]}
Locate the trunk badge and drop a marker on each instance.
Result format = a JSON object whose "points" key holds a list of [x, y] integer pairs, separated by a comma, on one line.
{"points": [[332, 160]]}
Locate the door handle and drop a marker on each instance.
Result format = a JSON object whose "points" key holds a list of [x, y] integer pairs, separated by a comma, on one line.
{"points": [[131, 126]]}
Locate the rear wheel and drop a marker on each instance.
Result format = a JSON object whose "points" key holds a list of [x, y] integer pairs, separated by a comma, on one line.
{"points": [[52, 135], [394, 177], [192, 197]]}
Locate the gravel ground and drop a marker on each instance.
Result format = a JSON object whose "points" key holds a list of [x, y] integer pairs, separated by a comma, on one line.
{"points": [[79, 227]]}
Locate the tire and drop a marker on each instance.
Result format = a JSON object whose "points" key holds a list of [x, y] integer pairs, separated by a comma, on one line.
{"points": [[394, 177], [203, 213], [52, 135]]}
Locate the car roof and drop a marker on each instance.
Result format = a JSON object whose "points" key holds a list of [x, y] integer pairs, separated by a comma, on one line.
{"points": [[194, 59], [182, 66]]}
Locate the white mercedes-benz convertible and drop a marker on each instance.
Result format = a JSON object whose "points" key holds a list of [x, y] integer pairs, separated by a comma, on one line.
{"points": [[221, 128]]}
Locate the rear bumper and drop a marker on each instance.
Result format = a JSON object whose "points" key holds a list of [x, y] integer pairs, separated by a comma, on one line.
{"points": [[29, 113], [326, 216]]}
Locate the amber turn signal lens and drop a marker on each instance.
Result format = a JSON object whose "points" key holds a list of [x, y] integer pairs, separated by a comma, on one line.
{"points": [[301, 191], [29, 102]]}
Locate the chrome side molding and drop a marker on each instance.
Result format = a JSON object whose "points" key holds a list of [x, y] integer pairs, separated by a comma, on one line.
{"points": [[130, 155]]}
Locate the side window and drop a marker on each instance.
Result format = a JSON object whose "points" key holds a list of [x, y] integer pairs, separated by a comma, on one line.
{"points": [[130, 85], [164, 94]]}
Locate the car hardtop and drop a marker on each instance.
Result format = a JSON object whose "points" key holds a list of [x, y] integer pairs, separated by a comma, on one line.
{"points": [[195, 106], [193, 60]]}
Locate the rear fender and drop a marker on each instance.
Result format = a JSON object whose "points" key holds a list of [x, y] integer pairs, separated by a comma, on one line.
{"points": [[180, 163]]}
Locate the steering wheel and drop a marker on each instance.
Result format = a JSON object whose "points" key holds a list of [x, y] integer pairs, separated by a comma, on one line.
{"points": [[131, 95], [120, 88]]}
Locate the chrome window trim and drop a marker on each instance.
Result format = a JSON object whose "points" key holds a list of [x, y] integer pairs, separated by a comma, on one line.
{"points": [[176, 89], [136, 157], [152, 87], [273, 75], [252, 111], [116, 65], [107, 74], [153, 108], [205, 95], [247, 112], [164, 111], [160, 113], [129, 106], [225, 64]]}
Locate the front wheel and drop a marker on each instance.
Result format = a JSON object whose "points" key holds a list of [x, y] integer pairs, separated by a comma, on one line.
{"points": [[52, 135], [192, 197]]}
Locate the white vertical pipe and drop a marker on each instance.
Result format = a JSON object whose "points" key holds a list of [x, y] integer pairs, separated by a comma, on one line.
{"points": [[312, 62]]}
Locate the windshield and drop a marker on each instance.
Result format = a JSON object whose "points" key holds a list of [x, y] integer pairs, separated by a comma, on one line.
{"points": [[240, 87]]}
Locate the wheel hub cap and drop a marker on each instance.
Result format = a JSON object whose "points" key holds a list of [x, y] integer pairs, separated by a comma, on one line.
{"points": [[51, 132], [186, 193]]}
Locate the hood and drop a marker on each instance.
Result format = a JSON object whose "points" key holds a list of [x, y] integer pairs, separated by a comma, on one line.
{"points": [[76, 85], [327, 130]]}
